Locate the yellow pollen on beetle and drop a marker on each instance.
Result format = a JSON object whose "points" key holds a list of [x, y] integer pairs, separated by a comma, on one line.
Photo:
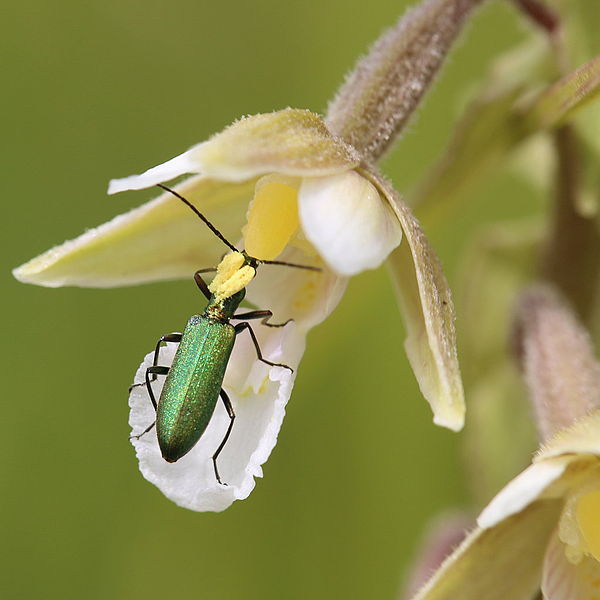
{"points": [[588, 519], [226, 268], [272, 220], [232, 276]]}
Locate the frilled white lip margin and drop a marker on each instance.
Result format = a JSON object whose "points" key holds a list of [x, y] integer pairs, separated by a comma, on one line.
{"points": [[258, 394]]}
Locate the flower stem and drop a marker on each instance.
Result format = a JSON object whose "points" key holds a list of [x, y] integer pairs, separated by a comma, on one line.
{"points": [[549, 22], [572, 256]]}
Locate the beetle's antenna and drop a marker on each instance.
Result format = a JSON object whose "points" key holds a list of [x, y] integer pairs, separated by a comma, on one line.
{"points": [[287, 264], [199, 214], [224, 239]]}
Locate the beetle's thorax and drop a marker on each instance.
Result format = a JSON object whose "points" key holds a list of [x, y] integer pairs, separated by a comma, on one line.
{"points": [[223, 310], [234, 273]]}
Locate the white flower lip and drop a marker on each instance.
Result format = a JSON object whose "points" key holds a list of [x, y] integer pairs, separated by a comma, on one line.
{"points": [[258, 393], [180, 165], [345, 218]]}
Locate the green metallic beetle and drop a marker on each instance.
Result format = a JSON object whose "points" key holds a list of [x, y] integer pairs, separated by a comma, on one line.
{"points": [[194, 380]]}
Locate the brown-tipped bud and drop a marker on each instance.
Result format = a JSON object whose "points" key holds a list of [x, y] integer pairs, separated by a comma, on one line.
{"points": [[541, 14], [382, 92], [556, 355]]}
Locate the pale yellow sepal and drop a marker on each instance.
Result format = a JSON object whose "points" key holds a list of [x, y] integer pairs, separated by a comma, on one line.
{"points": [[159, 240], [582, 438], [503, 563], [292, 142], [426, 303]]}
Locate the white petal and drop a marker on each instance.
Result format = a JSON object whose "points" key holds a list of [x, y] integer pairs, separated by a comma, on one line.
{"points": [[522, 491], [308, 297], [258, 394], [347, 221], [180, 165]]}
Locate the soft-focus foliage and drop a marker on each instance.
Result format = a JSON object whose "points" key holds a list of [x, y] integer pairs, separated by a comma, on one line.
{"points": [[497, 262], [507, 110]]}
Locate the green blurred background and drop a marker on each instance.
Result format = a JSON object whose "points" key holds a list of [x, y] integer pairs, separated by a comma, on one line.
{"points": [[101, 89]]}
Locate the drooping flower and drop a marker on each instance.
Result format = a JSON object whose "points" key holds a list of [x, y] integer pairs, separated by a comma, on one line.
{"points": [[542, 531], [566, 474]]}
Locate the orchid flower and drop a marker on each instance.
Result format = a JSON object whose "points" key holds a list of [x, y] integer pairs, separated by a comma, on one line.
{"points": [[541, 530], [289, 186]]}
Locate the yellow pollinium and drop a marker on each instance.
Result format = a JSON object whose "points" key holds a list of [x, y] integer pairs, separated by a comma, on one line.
{"points": [[588, 519], [272, 220], [232, 276]]}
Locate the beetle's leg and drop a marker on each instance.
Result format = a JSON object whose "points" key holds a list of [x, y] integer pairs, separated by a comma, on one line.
{"points": [[139, 435], [240, 327], [170, 337], [154, 371], [203, 287], [229, 409], [265, 315]]}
